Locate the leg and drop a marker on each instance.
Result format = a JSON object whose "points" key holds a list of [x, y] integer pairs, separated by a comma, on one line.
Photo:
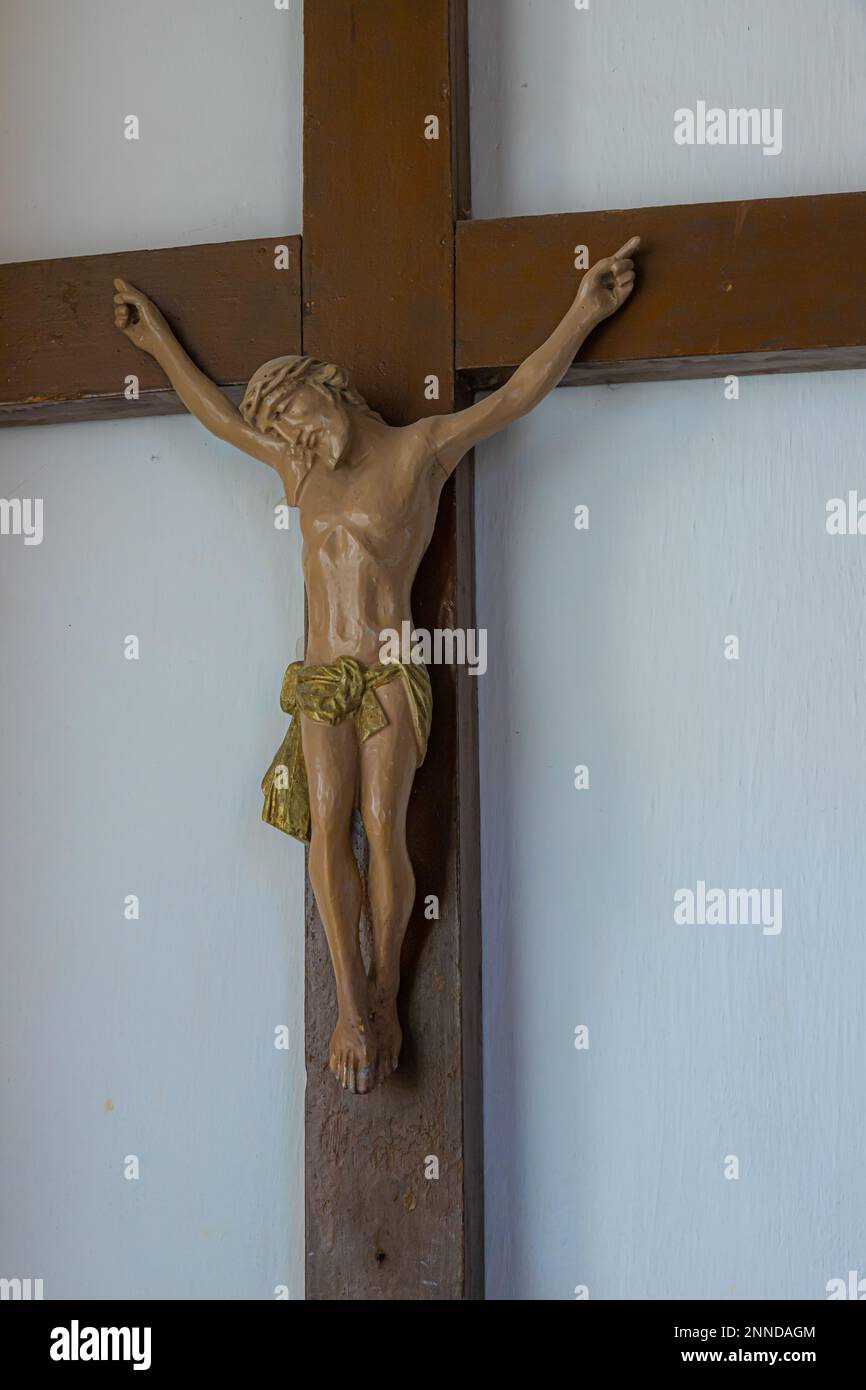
{"points": [[331, 756], [388, 763]]}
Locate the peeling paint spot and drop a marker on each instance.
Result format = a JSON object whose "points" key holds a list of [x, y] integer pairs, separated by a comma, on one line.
{"points": [[742, 214]]}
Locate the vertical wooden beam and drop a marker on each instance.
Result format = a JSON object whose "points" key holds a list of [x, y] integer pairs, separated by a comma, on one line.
{"points": [[380, 203]]}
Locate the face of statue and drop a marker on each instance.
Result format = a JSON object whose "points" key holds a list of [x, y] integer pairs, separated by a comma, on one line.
{"points": [[306, 416], [313, 421]]}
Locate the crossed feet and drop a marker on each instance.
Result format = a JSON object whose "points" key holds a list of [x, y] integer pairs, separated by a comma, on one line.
{"points": [[365, 1046]]}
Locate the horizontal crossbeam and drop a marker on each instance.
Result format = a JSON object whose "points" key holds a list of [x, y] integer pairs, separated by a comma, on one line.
{"points": [[738, 287], [773, 285], [234, 305]]}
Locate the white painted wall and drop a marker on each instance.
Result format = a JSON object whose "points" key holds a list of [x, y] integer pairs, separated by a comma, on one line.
{"points": [[155, 1037], [605, 1167]]}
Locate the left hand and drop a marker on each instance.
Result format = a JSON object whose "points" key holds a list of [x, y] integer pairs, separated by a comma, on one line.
{"points": [[607, 285], [137, 317]]}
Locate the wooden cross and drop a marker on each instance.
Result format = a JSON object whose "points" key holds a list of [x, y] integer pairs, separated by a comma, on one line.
{"points": [[395, 282]]}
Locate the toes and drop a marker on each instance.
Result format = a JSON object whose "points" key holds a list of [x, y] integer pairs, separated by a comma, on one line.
{"points": [[360, 1069], [356, 1078]]}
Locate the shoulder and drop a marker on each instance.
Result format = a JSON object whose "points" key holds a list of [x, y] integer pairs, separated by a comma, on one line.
{"points": [[420, 445]]}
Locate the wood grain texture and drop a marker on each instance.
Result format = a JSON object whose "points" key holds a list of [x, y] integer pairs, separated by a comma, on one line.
{"points": [[380, 203], [61, 358], [742, 287]]}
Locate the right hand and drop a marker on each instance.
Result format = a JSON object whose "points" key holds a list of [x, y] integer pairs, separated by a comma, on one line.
{"points": [[137, 317], [607, 285]]}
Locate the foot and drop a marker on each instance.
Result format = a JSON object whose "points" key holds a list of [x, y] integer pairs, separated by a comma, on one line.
{"points": [[388, 1032], [353, 1053]]}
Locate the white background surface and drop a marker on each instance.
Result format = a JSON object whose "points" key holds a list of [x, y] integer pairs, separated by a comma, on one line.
{"points": [[142, 777], [605, 1168], [707, 518]]}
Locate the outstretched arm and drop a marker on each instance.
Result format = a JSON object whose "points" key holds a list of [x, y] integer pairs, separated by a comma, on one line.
{"points": [[604, 288], [145, 326]]}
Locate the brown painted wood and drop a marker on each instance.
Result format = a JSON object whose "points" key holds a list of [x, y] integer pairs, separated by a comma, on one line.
{"points": [[61, 358], [773, 285], [379, 209]]}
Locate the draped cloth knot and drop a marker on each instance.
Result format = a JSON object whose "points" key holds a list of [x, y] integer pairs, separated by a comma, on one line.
{"points": [[330, 694]]}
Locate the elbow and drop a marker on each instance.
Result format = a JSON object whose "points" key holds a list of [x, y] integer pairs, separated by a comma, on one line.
{"points": [[521, 401]]}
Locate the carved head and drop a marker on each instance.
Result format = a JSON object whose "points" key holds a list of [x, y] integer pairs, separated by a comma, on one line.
{"points": [[307, 403]]}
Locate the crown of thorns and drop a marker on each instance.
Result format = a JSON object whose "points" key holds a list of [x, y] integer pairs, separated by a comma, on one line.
{"points": [[272, 387]]}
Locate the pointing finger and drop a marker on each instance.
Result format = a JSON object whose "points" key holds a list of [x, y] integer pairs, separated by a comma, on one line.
{"points": [[631, 245], [130, 294]]}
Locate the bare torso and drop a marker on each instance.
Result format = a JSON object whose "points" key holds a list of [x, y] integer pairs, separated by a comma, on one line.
{"points": [[366, 526]]}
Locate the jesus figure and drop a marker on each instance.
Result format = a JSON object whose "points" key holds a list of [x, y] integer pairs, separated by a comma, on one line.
{"points": [[367, 494]]}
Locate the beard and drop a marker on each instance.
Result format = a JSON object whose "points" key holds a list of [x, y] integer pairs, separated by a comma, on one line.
{"points": [[266, 406], [309, 444]]}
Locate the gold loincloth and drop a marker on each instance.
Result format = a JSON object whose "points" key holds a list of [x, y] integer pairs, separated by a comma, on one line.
{"points": [[329, 695]]}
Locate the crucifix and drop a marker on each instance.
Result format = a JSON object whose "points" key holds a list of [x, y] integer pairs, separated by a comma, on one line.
{"points": [[421, 305], [368, 493]]}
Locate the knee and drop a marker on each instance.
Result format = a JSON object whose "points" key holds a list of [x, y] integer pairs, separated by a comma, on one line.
{"points": [[386, 831], [329, 814]]}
